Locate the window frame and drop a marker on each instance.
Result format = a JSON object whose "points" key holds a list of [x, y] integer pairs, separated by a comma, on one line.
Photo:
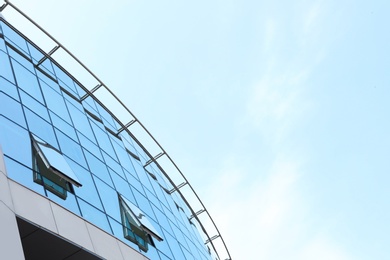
{"points": [[51, 169]]}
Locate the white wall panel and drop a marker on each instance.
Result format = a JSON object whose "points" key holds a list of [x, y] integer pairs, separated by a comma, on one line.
{"points": [[129, 253], [72, 227], [32, 206], [105, 245], [10, 244]]}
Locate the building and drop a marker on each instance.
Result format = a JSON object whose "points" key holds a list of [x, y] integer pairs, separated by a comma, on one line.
{"points": [[76, 182]]}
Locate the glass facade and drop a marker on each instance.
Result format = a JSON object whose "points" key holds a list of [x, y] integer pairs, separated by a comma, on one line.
{"points": [[70, 150]]}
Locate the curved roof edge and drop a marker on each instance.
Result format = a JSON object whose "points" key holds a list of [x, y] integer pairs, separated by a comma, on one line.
{"points": [[211, 238]]}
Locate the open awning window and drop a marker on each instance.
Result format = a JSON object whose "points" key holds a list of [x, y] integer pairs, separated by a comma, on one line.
{"points": [[136, 221], [51, 169]]}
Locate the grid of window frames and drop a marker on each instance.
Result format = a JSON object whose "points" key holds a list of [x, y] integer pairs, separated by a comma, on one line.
{"points": [[50, 138]]}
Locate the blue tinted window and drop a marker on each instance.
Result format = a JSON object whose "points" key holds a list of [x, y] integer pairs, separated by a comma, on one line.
{"points": [[63, 126], [80, 91], [107, 118], [2, 45], [89, 104], [94, 215], [109, 198], [50, 82], [71, 149], [88, 191], [128, 142], [11, 109], [40, 128], [55, 102], [113, 164], [9, 88], [5, 66], [65, 81], [70, 202], [90, 146], [122, 187], [160, 194], [162, 219], [22, 60], [144, 204], [133, 181], [9, 132], [80, 121], [187, 254], [153, 199], [174, 246], [98, 168], [27, 81], [152, 253], [122, 154], [34, 105], [164, 248], [103, 140], [35, 54], [22, 175], [15, 39], [159, 176], [142, 175], [117, 228], [47, 67], [177, 233]]}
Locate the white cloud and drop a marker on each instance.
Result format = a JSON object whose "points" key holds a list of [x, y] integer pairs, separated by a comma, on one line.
{"points": [[262, 209], [261, 215], [277, 103]]}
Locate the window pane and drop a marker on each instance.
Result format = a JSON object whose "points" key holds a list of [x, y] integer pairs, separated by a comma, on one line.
{"points": [[9, 132], [40, 128], [15, 39], [113, 164], [90, 146], [94, 215], [22, 175], [80, 121], [11, 109], [8, 88], [27, 81], [88, 191], [63, 126], [122, 154], [142, 175], [50, 82], [71, 149], [103, 140], [98, 168], [109, 198], [65, 81], [70, 202], [34, 105], [5, 66], [144, 204], [35, 54], [55, 102], [22, 60], [89, 104], [2, 45], [47, 67], [122, 187]]}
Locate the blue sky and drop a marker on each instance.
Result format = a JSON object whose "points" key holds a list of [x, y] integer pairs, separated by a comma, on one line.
{"points": [[276, 111]]}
